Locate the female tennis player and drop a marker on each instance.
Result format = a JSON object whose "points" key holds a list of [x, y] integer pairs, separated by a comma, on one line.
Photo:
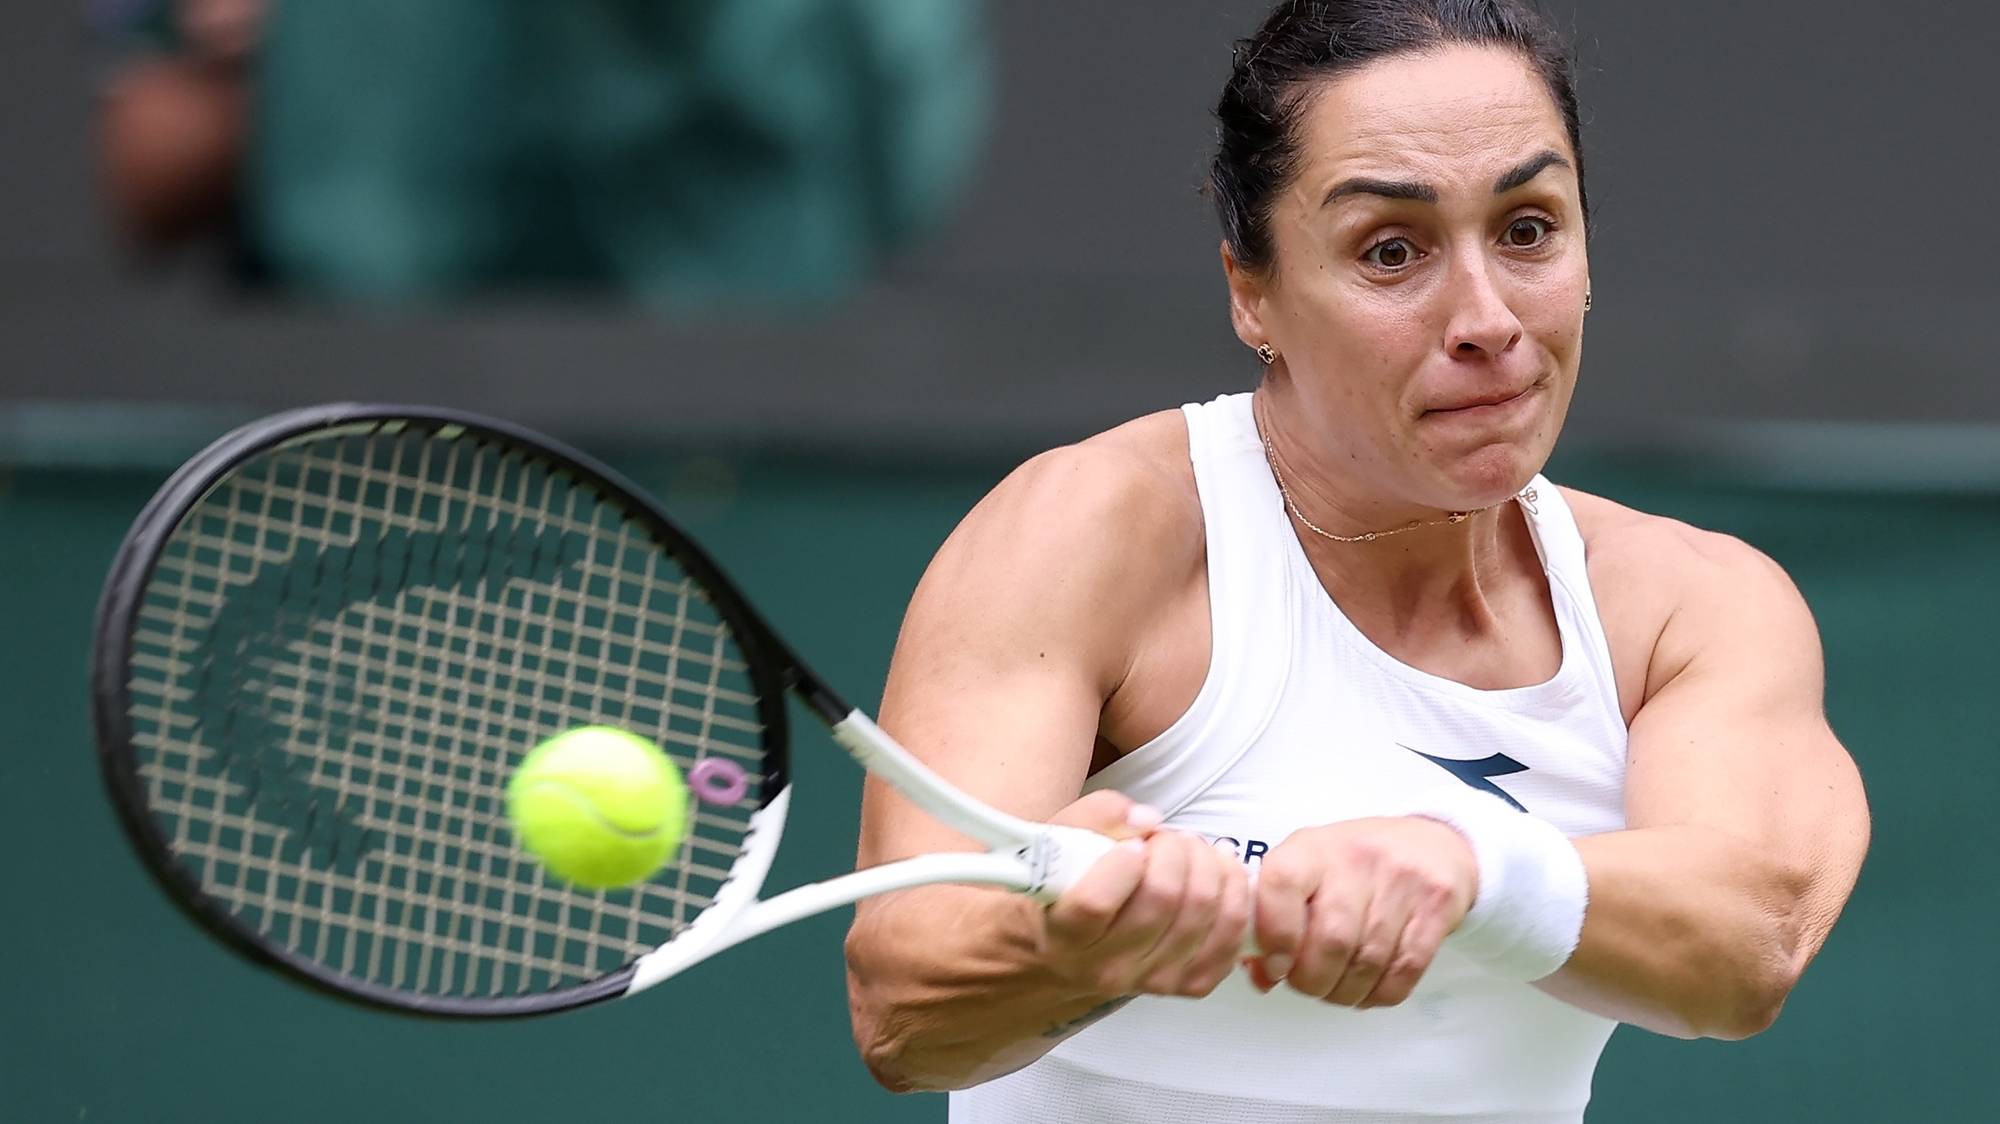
{"points": [[1483, 764]]}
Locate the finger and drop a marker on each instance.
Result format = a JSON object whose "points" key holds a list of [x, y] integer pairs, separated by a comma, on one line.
{"points": [[1380, 933], [1422, 935], [1110, 813], [1334, 917], [1150, 910], [1283, 885], [1217, 956], [1170, 964], [1119, 956], [1085, 912]]}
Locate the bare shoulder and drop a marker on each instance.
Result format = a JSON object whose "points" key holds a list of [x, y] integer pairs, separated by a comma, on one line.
{"points": [[1666, 588], [1128, 492], [1634, 548], [1143, 459], [1072, 552]]}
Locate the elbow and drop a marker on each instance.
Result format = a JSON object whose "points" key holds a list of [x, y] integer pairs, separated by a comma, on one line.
{"points": [[1753, 1005], [1726, 990], [1744, 1009], [882, 1049], [882, 1052], [1753, 1012], [885, 1042], [1786, 939], [886, 1032]]}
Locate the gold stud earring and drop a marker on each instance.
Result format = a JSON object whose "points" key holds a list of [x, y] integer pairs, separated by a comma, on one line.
{"points": [[1266, 354]]}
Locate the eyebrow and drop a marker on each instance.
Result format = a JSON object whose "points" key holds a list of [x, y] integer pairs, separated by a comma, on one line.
{"points": [[1387, 189], [1424, 193], [1528, 169]]}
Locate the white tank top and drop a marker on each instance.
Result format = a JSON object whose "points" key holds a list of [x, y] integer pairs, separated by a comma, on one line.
{"points": [[1303, 721]]}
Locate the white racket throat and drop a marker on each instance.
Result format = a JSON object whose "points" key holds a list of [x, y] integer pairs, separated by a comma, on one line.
{"points": [[1040, 860], [338, 811]]}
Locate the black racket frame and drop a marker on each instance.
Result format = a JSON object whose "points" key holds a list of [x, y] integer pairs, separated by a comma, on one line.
{"points": [[773, 667]]}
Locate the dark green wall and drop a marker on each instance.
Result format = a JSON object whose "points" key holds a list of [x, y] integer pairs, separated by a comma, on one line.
{"points": [[114, 1009]]}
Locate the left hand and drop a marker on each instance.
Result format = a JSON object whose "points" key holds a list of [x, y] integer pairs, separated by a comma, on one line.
{"points": [[1352, 913]]}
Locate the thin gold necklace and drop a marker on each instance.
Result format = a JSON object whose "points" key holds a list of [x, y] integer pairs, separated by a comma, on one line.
{"points": [[1291, 505]]}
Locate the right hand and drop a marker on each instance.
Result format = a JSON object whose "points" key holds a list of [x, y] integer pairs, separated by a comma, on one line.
{"points": [[1162, 913]]}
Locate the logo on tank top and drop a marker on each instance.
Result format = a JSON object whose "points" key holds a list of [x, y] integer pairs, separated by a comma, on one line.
{"points": [[1251, 851], [1479, 774]]}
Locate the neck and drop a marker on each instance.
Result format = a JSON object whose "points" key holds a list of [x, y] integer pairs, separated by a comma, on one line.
{"points": [[1423, 566]]}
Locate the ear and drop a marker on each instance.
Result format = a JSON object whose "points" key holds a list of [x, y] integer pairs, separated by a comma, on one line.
{"points": [[1246, 299]]}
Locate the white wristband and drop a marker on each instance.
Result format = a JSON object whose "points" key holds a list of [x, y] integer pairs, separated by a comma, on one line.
{"points": [[1528, 915]]}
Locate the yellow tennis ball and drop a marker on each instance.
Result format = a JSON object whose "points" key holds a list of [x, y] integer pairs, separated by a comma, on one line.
{"points": [[598, 806]]}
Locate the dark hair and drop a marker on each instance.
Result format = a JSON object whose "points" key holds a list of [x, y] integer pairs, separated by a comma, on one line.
{"points": [[1302, 41]]}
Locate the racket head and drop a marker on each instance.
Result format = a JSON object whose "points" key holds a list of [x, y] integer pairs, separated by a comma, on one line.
{"points": [[330, 636]]}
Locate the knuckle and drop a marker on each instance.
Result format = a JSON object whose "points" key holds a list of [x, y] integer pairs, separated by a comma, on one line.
{"points": [[1276, 942], [1203, 898], [1116, 977], [1369, 961], [1364, 850], [1079, 911], [1312, 985], [1334, 947], [1155, 900], [1232, 914], [1281, 874], [1192, 929], [1405, 971], [1399, 870], [1058, 930], [1329, 931], [1199, 986], [1396, 984]]}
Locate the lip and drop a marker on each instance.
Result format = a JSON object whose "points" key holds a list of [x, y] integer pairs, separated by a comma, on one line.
{"points": [[1491, 404]]}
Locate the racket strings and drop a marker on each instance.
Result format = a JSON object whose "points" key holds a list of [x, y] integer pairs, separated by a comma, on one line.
{"points": [[342, 653]]}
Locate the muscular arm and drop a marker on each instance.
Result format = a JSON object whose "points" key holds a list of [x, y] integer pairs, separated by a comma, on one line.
{"points": [[1025, 624], [1746, 819]]}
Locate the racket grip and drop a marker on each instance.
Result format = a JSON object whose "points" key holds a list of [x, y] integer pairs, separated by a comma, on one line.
{"points": [[1068, 852], [1061, 855]]}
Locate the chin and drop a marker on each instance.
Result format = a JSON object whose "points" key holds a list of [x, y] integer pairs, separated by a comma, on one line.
{"points": [[1480, 461], [1492, 474]]}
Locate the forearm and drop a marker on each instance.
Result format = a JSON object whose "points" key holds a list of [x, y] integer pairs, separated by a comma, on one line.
{"points": [[1689, 932], [946, 988]]}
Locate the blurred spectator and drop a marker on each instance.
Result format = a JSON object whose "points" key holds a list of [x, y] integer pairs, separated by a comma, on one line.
{"points": [[680, 149], [175, 115]]}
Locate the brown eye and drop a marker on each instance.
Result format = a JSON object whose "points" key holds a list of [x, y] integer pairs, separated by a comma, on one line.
{"points": [[1527, 233], [1394, 253]]}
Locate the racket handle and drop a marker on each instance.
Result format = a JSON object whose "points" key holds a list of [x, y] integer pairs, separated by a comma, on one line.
{"points": [[1061, 855], [1068, 852]]}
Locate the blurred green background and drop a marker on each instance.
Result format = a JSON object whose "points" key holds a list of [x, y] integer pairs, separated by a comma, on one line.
{"points": [[850, 259], [118, 1010]]}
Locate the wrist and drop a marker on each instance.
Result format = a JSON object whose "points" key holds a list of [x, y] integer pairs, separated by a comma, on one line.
{"points": [[1527, 910]]}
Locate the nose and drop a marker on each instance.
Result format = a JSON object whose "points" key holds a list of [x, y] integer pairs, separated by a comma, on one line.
{"points": [[1482, 323]]}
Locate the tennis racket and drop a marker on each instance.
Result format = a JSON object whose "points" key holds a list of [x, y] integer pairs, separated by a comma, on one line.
{"points": [[331, 636]]}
